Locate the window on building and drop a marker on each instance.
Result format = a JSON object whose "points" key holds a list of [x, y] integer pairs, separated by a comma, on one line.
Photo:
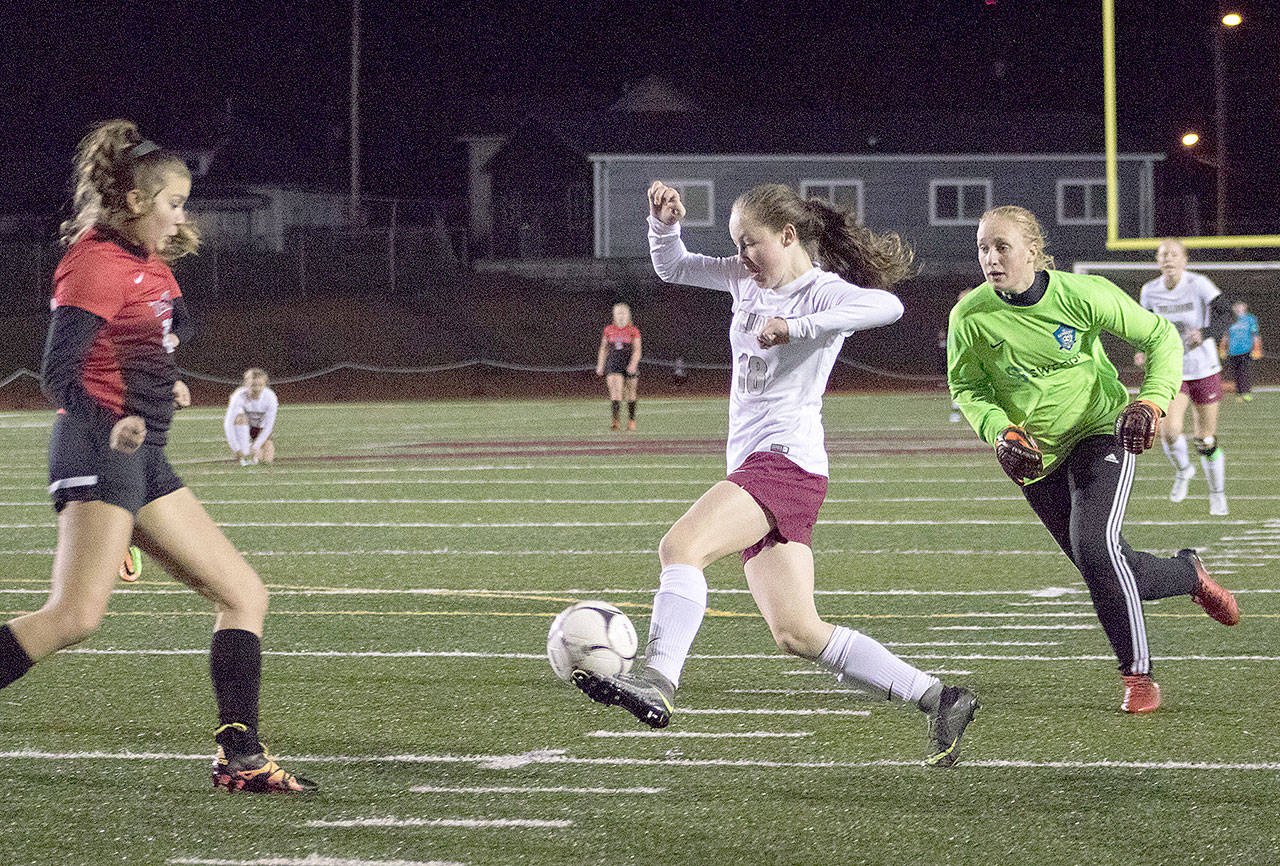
{"points": [[846, 194], [1082, 201], [958, 201], [699, 201]]}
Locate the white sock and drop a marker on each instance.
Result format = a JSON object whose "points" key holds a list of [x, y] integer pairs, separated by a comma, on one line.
{"points": [[853, 654], [678, 608], [1177, 453], [240, 438], [1215, 471]]}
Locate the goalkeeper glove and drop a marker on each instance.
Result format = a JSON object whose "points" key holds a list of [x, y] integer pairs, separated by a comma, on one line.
{"points": [[1018, 454], [1136, 426]]}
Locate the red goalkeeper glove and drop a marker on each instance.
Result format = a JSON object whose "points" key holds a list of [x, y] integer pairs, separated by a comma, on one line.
{"points": [[1136, 426], [1018, 454]]}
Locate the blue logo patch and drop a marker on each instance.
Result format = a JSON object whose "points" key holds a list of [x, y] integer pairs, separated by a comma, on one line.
{"points": [[1066, 337]]}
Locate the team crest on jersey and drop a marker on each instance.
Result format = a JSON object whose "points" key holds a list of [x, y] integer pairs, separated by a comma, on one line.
{"points": [[162, 307], [1066, 337]]}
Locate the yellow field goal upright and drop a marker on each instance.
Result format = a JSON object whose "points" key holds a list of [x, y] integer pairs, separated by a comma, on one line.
{"points": [[1114, 241]]}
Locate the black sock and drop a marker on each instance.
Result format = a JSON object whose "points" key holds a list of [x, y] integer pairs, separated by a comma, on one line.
{"points": [[631, 409], [616, 405], [14, 661], [235, 662]]}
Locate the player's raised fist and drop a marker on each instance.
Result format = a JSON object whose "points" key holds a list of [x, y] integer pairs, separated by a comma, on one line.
{"points": [[1019, 456], [1136, 426], [665, 204]]}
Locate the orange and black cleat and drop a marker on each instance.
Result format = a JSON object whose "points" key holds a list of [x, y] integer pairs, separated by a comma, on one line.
{"points": [[131, 568], [1218, 602], [256, 772], [1141, 694]]}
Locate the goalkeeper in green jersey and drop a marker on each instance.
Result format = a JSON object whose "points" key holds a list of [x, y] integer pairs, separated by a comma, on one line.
{"points": [[1025, 364]]}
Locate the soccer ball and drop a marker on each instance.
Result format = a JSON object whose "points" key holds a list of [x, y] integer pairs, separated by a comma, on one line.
{"points": [[592, 636]]}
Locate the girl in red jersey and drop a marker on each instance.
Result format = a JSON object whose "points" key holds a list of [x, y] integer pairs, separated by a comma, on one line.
{"points": [[619, 362], [109, 368]]}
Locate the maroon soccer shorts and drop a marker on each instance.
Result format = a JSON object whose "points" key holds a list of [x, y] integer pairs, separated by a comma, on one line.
{"points": [[788, 495], [1204, 391]]}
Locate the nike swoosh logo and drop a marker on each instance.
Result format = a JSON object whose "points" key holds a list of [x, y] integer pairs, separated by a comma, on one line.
{"points": [[997, 345]]}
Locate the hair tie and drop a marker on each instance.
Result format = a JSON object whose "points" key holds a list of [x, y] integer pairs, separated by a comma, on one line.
{"points": [[141, 149]]}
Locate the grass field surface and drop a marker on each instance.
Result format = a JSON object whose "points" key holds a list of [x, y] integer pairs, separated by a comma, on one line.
{"points": [[416, 554]]}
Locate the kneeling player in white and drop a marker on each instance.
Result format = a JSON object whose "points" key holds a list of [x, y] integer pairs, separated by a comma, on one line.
{"points": [[250, 418]]}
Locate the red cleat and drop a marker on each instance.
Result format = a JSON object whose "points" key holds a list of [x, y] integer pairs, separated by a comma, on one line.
{"points": [[1141, 694], [1219, 603]]}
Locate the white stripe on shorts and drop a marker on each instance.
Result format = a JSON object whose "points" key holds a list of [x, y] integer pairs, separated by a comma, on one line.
{"points": [[74, 481]]}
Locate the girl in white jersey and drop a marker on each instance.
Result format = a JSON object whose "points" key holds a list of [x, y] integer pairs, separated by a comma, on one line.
{"points": [[1201, 315], [250, 418], [790, 318]]}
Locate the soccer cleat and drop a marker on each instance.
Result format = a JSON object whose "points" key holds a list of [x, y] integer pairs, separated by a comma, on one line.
{"points": [[956, 707], [643, 695], [1181, 482], [1219, 603], [131, 568], [614, 425], [255, 772], [1218, 504], [1141, 694], [631, 425]]}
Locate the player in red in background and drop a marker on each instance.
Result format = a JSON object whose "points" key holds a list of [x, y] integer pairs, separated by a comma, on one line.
{"points": [[108, 366], [619, 362]]}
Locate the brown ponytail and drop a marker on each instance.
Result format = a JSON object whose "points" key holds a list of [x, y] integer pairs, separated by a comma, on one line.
{"points": [[111, 160], [832, 236]]}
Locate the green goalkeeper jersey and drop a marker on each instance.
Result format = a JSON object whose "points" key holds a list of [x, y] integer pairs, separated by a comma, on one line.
{"points": [[1043, 367]]}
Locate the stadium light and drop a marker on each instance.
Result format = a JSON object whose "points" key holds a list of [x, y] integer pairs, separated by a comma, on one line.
{"points": [[1232, 19], [1190, 139]]}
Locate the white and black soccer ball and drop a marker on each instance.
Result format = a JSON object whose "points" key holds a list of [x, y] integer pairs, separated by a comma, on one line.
{"points": [[592, 636]]}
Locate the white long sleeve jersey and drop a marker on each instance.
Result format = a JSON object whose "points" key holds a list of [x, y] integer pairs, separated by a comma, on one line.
{"points": [[261, 413], [1187, 306], [775, 402]]}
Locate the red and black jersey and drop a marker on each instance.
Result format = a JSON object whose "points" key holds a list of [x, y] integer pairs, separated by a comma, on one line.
{"points": [[129, 367], [620, 338]]}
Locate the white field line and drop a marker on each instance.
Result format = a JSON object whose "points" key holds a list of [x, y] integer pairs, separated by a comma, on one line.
{"points": [[756, 711], [815, 672], [466, 823], [44, 503], [309, 860], [458, 654], [703, 735], [795, 692], [615, 524], [1045, 627], [896, 643], [529, 789], [557, 756]]}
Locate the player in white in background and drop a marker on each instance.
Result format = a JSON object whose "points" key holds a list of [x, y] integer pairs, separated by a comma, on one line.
{"points": [[790, 318], [250, 418], [1197, 309]]}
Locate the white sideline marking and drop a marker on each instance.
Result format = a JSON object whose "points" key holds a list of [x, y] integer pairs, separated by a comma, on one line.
{"points": [[529, 789], [558, 756], [703, 735], [310, 860], [468, 823], [1045, 627], [458, 654], [975, 642], [764, 712], [794, 692], [608, 524]]}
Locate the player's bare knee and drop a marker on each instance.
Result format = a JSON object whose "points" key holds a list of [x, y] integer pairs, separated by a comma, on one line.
{"points": [[241, 420], [679, 547], [73, 623], [1205, 446], [795, 640]]}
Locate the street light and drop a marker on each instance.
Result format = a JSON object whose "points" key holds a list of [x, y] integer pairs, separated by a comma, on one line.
{"points": [[1190, 140], [1230, 20]]}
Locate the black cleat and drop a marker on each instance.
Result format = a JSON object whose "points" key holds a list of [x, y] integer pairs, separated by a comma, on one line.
{"points": [[955, 711], [647, 695]]}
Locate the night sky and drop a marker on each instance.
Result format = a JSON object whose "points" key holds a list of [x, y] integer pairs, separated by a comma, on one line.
{"points": [[432, 71]]}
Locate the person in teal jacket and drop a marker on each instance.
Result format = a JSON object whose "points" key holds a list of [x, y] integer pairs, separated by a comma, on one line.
{"points": [[1026, 365], [1242, 347]]}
